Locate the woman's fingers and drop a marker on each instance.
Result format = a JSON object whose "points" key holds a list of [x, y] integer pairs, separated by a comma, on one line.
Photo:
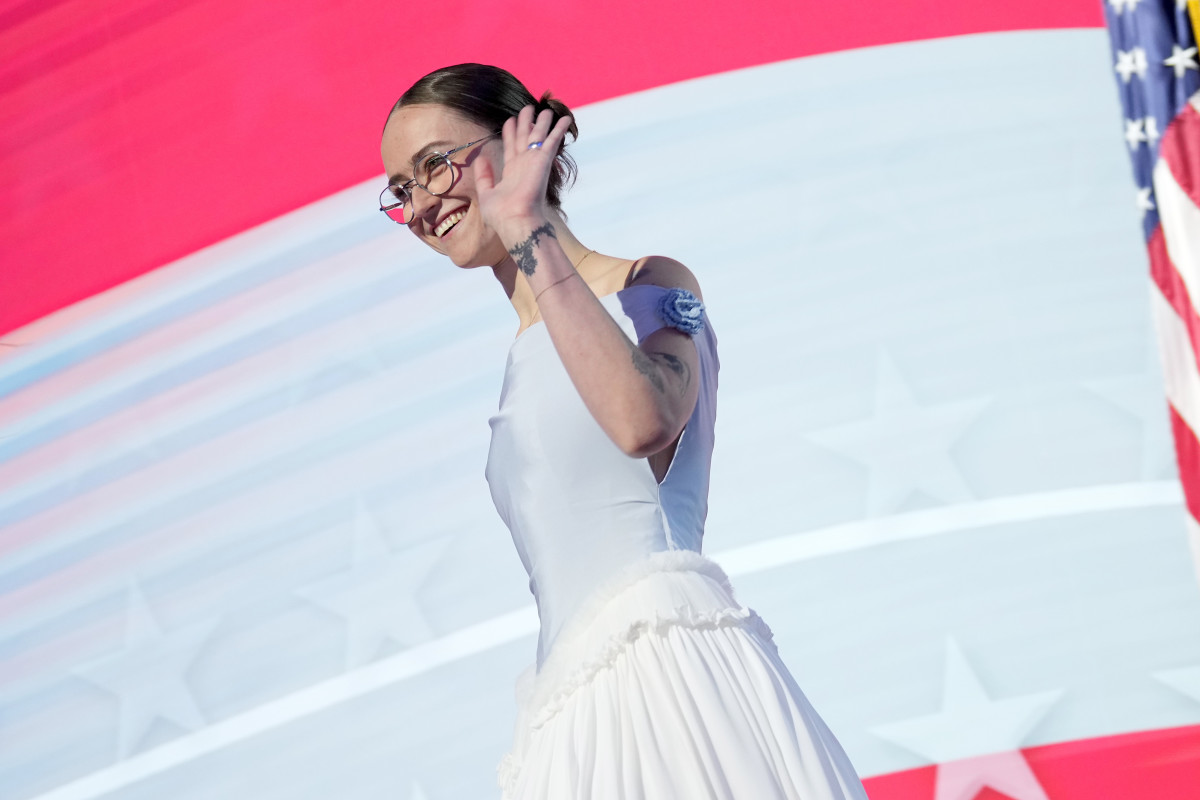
{"points": [[521, 131], [522, 179], [554, 137], [485, 178], [524, 125], [541, 127]]}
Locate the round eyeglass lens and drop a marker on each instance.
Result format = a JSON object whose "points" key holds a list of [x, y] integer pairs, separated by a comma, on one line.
{"points": [[392, 202], [435, 174]]}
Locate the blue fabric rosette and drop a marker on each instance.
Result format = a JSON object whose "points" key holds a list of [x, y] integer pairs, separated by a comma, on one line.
{"points": [[682, 310]]}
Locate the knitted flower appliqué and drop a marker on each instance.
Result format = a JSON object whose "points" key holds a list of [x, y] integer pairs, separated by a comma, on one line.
{"points": [[680, 309]]}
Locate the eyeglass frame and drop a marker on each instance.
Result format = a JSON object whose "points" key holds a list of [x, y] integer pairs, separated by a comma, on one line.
{"points": [[413, 181]]}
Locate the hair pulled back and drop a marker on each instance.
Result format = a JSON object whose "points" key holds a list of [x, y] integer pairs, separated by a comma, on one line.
{"points": [[489, 96]]}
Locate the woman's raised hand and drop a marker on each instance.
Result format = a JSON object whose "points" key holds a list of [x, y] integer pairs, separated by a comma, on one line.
{"points": [[517, 197]]}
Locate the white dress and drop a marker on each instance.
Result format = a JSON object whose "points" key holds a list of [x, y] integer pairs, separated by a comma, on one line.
{"points": [[650, 681]]}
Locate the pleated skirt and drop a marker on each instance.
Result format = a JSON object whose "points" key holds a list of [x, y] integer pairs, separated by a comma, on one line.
{"points": [[664, 687]]}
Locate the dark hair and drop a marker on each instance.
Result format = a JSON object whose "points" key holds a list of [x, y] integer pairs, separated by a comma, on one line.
{"points": [[489, 96]]}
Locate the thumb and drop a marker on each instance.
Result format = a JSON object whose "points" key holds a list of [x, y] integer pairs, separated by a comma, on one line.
{"points": [[485, 178]]}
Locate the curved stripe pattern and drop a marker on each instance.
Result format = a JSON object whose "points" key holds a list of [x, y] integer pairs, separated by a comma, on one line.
{"points": [[523, 623]]}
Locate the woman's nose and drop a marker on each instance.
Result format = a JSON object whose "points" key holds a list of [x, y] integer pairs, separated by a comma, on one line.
{"points": [[422, 201]]}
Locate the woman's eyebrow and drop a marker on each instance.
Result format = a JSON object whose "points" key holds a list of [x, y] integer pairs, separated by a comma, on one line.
{"points": [[431, 146]]}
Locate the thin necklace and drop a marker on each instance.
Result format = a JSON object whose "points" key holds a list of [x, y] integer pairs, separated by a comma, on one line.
{"points": [[538, 312], [585, 255]]}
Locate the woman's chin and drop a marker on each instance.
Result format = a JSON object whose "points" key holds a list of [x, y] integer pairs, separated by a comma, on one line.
{"points": [[473, 257], [467, 260]]}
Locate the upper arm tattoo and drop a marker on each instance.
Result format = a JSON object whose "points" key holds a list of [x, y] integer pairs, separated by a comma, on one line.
{"points": [[643, 364], [679, 367], [523, 252]]}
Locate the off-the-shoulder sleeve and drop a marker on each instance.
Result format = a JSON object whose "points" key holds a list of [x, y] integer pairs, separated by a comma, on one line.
{"points": [[654, 307]]}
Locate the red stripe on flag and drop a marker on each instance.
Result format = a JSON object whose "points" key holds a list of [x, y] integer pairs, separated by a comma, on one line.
{"points": [[1161, 764], [1187, 453], [1181, 151], [1168, 281]]}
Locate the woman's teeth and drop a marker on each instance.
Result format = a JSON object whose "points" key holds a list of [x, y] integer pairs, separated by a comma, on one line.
{"points": [[448, 223]]}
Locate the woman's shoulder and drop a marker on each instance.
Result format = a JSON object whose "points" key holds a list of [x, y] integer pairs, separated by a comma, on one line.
{"points": [[662, 271]]}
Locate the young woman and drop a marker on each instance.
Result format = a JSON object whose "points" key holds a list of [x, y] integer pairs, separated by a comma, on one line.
{"points": [[650, 681]]}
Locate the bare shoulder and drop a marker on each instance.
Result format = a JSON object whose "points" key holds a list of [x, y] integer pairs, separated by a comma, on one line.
{"points": [[662, 271]]}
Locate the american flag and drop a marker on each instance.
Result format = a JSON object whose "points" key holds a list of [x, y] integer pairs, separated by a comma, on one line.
{"points": [[1158, 78]]}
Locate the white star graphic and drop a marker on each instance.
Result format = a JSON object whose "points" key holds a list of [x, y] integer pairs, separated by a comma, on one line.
{"points": [[1135, 132], [377, 595], [1152, 134], [1117, 5], [148, 674], [1007, 773], [1185, 681], [1141, 396], [1181, 60], [974, 739], [1130, 63], [905, 444], [1145, 200]]}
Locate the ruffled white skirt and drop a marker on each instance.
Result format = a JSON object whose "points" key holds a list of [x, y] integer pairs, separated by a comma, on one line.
{"points": [[664, 687]]}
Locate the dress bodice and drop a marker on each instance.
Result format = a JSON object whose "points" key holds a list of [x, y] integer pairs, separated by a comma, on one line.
{"points": [[578, 508]]}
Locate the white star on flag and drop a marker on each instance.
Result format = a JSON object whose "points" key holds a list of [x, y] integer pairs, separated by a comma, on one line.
{"points": [[1152, 134], [905, 444], [1144, 201], [1181, 60], [377, 594], [974, 740], [1130, 63], [1117, 5], [1135, 132], [149, 673]]}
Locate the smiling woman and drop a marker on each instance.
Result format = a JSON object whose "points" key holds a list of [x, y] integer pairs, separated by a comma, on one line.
{"points": [[650, 680]]}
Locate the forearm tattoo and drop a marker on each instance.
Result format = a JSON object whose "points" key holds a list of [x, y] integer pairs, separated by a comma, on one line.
{"points": [[523, 253]]}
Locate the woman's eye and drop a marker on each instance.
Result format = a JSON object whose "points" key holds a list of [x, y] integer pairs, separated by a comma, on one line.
{"points": [[432, 167]]}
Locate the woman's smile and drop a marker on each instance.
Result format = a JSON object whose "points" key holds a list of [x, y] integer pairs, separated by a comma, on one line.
{"points": [[449, 222]]}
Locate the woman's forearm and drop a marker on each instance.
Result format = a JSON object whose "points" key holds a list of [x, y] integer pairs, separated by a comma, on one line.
{"points": [[638, 399]]}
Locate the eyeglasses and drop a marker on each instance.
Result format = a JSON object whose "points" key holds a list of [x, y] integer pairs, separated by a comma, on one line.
{"points": [[435, 174]]}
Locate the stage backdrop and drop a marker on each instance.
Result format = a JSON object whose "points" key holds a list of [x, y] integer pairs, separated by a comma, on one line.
{"points": [[246, 548]]}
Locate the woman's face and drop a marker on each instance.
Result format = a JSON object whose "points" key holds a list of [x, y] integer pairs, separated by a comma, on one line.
{"points": [[414, 131]]}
